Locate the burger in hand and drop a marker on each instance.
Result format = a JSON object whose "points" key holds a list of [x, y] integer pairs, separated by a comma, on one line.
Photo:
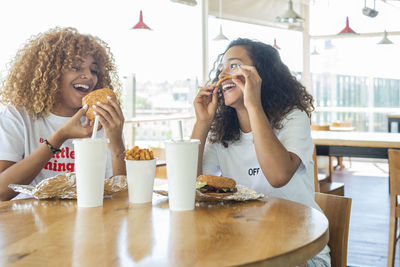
{"points": [[215, 186], [98, 95]]}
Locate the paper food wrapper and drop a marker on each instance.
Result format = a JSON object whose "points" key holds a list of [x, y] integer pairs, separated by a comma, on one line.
{"points": [[63, 186], [243, 194]]}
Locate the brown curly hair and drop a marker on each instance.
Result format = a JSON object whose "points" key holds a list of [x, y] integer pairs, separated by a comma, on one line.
{"points": [[280, 92], [33, 81]]}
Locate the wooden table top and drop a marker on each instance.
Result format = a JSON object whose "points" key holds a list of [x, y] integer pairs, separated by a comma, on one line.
{"points": [[274, 231], [360, 139]]}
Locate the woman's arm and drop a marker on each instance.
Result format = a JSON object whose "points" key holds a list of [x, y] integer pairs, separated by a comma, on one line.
{"points": [[24, 171], [112, 119], [200, 131], [118, 159], [205, 106], [277, 164]]}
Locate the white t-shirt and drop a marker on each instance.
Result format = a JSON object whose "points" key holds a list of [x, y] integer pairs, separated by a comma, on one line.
{"points": [[239, 161], [20, 136]]}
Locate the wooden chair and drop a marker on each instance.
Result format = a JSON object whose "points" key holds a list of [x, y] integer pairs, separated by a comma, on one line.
{"points": [[316, 182], [337, 210], [325, 185], [345, 125], [328, 175], [316, 127], [394, 182], [161, 170]]}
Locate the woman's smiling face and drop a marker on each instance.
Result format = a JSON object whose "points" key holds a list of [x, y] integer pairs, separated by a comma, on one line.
{"points": [[75, 84], [233, 58]]}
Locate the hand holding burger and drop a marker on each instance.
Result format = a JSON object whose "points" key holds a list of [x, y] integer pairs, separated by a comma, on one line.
{"points": [[98, 95], [104, 102]]}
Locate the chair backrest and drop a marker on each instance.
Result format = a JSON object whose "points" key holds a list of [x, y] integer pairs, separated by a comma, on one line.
{"points": [[159, 152], [337, 210], [394, 171], [316, 127], [341, 124], [316, 182]]}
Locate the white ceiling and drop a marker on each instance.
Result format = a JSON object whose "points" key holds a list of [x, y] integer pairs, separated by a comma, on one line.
{"points": [[261, 12]]}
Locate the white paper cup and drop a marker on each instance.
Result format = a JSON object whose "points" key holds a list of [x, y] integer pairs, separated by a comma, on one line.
{"points": [[181, 158], [90, 168], [140, 176]]}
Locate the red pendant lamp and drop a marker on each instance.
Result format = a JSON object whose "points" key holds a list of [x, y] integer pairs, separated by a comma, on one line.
{"points": [[275, 45], [141, 24], [347, 29]]}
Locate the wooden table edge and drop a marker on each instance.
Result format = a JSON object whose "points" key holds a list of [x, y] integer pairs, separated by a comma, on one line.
{"points": [[296, 256], [351, 143]]}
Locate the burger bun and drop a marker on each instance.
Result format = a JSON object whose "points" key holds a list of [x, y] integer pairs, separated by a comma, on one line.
{"points": [[98, 95]]}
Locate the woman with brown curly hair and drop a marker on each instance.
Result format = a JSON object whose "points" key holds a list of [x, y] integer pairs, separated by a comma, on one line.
{"points": [[258, 126], [43, 92]]}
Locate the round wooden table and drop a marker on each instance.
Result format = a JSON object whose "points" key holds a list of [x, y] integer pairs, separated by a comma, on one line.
{"points": [[272, 231]]}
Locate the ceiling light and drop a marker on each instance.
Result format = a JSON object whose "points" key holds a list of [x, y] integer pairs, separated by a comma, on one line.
{"points": [[385, 40], [186, 2], [347, 29], [220, 36], [289, 16], [141, 24], [369, 12], [275, 45], [315, 52]]}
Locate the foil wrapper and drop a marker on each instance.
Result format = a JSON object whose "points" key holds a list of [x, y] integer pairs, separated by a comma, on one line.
{"points": [[63, 186], [243, 194]]}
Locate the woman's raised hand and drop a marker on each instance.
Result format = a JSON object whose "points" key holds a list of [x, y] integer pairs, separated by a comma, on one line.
{"points": [[73, 128], [112, 119], [249, 81], [205, 104]]}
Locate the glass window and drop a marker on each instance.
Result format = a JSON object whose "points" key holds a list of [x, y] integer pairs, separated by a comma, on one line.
{"points": [[354, 78]]}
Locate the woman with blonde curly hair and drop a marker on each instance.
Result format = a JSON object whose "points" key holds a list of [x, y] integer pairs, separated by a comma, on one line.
{"points": [[43, 92]]}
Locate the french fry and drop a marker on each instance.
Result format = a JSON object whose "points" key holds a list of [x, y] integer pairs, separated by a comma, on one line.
{"points": [[223, 79], [137, 153]]}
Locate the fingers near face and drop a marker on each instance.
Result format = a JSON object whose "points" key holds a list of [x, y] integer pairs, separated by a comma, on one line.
{"points": [[246, 73], [206, 91]]}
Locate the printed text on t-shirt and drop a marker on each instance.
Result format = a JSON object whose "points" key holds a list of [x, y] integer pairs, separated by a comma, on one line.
{"points": [[253, 171], [54, 165]]}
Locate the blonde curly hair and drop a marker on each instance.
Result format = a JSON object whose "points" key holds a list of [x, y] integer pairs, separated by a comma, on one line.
{"points": [[34, 79]]}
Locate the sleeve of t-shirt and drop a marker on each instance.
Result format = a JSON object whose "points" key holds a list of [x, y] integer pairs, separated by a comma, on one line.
{"points": [[11, 135], [295, 136], [210, 159]]}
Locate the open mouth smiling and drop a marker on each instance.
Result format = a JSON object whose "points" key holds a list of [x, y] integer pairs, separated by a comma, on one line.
{"points": [[82, 87], [227, 86]]}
